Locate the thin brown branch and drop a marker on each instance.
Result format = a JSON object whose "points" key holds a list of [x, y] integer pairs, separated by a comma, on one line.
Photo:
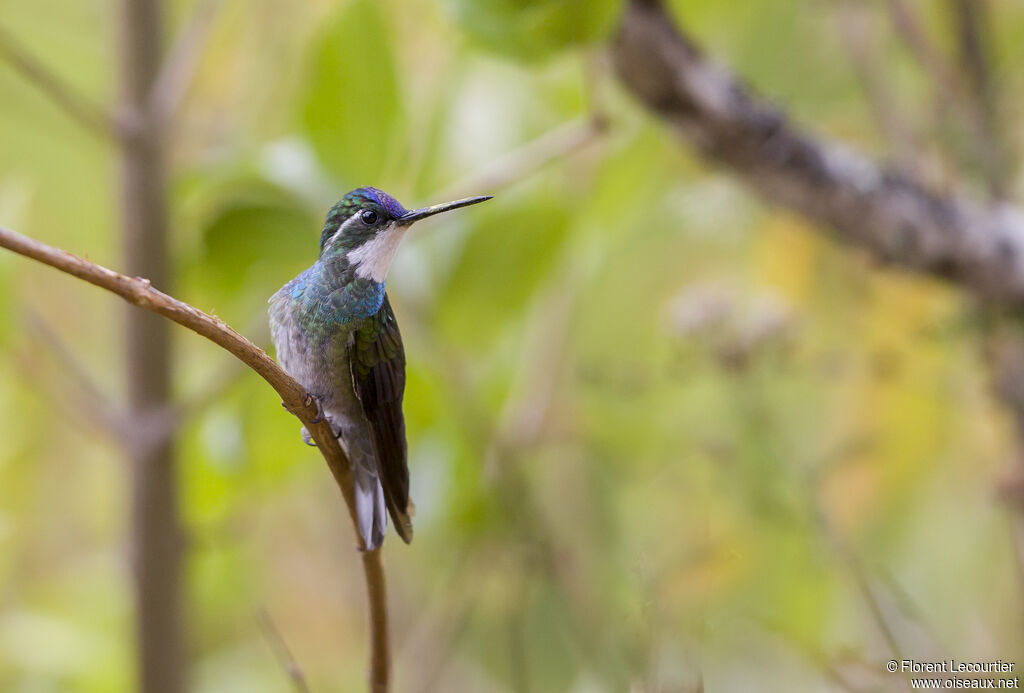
{"points": [[848, 556], [182, 61], [821, 660], [891, 215], [860, 40], [962, 90], [75, 105], [86, 397], [139, 292], [62, 395], [377, 598], [284, 655], [929, 57], [970, 18]]}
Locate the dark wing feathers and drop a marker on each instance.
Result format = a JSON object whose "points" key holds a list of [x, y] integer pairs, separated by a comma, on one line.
{"points": [[377, 360]]}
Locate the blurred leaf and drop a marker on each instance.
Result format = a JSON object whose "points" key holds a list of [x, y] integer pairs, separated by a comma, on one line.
{"points": [[657, 507], [504, 259], [351, 109], [533, 29], [256, 244]]}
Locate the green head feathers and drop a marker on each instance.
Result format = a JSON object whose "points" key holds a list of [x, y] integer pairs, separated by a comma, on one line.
{"points": [[365, 211]]}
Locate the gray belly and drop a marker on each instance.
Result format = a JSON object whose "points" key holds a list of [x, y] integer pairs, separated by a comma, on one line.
{"points": [[319, 362]]}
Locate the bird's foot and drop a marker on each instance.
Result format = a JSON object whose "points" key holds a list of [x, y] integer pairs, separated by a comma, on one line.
{"points": [[312, 399], [308, 439]]}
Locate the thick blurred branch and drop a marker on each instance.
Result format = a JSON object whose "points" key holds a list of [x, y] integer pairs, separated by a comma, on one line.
{"points": [[157, 545], [77, 106], [889, 214], [139, 292]]}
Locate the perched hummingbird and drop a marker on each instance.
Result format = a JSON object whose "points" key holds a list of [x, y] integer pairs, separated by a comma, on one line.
{"points": [[336, 334]]}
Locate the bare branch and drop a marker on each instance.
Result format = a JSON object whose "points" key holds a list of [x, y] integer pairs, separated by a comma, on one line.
{"points": [[376, 597], [139, 292], [861, 43], [281, 651], [90, 401], [910, 28], [180, 65], [77, 106], [971, 22], [63, 395], [889, 214], [861, 579]]}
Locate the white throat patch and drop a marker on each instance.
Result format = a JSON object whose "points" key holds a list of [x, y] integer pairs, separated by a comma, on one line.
{"points": [[372, 259]]}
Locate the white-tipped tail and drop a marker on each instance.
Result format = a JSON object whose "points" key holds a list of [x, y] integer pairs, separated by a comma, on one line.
{"points": [[370, 509]]}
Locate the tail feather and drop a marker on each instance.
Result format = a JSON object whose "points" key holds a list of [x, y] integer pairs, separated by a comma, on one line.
{"points": [[402, 519], [371, 512]]}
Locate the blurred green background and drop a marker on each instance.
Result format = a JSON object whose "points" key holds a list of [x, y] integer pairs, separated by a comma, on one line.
{"points": [[657, 430]]}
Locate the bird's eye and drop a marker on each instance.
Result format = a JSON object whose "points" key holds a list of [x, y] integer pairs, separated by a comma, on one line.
{"points": [[369, 217]]}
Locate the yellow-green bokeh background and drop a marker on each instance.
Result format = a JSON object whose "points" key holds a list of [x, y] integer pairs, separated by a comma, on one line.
{"points": [[656, 428]]}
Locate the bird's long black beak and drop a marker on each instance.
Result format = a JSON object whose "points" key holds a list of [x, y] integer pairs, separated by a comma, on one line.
{"points": [[423, 213]]}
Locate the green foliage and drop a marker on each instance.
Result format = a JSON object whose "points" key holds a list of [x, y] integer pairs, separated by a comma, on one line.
{"points": [[650, 421], [507, 254], [351, 109], [251, 237], [244, 238], [531, 30]]}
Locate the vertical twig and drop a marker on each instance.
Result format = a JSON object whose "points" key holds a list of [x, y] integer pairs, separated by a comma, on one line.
{"points": [[156, 538], [377, 599]]}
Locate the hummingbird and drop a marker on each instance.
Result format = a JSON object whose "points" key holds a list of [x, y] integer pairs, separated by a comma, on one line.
{"points": [[336, 334]]}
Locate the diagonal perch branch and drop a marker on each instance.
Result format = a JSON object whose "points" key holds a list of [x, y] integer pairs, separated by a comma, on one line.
{"points": [[139, 292], [891, 215]]}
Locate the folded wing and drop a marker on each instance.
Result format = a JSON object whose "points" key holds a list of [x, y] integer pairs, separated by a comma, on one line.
{"points": [[377, 361]]}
